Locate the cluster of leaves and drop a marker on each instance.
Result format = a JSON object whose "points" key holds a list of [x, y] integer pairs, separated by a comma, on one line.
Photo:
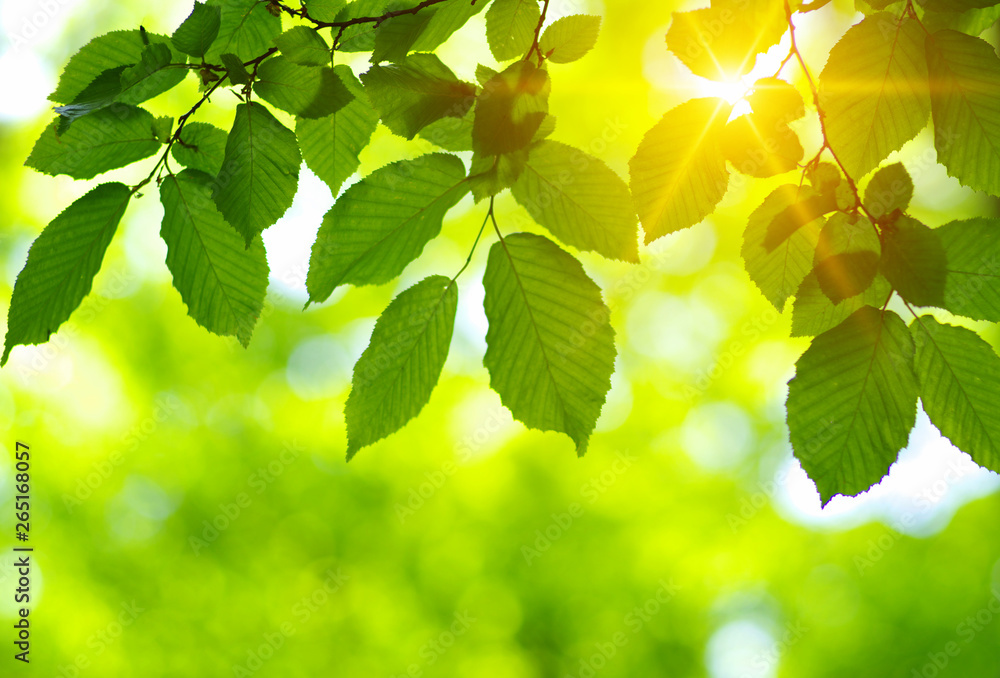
{"points": [[550, 347], [843, 255]]}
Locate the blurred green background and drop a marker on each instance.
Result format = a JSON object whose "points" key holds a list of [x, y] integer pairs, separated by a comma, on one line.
{"points": [[193, 514]]}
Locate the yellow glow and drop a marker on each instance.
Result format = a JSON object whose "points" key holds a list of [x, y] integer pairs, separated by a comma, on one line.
{"points": [[734, 89]]}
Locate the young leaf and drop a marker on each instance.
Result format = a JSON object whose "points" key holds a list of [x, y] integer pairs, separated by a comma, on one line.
{"points": [[866, 123], [110, 138], [61, 265], [201, 146], [381, 224], [304, 46], [396, 374], [955, 5], [247, 29], [222, 281], [813, 313], [779, 272], [972, 260], [679, 172], [304, 91], [511, 109], [715, 42], [331, 146], [550, 347], [163, 127], [570, 38], [959, 377], [260, 171], [965, 82], [510, 27], [913, 260], [580, 200], [853, 401], [235, 69], [415, 92], [889, 190], [199, 30], [111, 50]]}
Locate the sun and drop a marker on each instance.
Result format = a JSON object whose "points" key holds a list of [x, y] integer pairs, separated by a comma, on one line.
{"points": [[734, 90]]}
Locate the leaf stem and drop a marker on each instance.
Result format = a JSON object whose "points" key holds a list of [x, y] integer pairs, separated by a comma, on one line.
{"points": [[476, 242]]}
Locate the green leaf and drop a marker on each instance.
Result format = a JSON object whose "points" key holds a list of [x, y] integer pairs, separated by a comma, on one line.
{"points": [[847, 256], [163, 127], [779, 272], [415, 92], [889, 190], [965, 81], [511, 109], [972, 260], [570, 38], [790, 219], [222, 282], [111, 50], [394, 39], [775, 100], [580, 200], [866, 123], [61, 265], [813, 313], [679, 172], [110, 138], [446, 19], [972, 22], [235, 69], [913, 260], [381, 224], [304, 46], [196, 34], [959, 378], [716, 42], [247, 29], [331, 146], [360, 37], [853, 401], [201, 146], [761, 147], [324, 10], [140, 80], [510, 27], [397, 373], [451, 134], [304, 91], [550, 348], [260, 172]]}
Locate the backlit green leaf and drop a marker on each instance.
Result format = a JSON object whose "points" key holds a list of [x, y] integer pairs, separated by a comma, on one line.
{"points": [[914, 261], [396, 374], [381, 224], [260, 171], [304, 46], [889, 190], [580, 200], [550, 347], [972, 262], [221, 281], [511, 109], [570, 38], [853, 402], [305, 91], [813, 313], [679, 172], [61, 265], [201, 146], [247, 29], [510, 27], [198, 31]]}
